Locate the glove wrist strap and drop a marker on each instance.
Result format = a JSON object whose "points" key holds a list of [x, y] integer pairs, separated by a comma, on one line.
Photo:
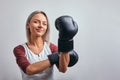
{"points": [[65, 45]]}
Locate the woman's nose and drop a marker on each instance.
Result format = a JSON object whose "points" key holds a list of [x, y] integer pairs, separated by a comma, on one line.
{"points": [[40, 25]]}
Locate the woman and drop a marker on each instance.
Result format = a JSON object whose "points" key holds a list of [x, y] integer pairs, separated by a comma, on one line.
{"points": [[32, 56]]}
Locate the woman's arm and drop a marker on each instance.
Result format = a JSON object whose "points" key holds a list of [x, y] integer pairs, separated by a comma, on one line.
{"points": [[24, 64], [37, 67], [64, 59]]}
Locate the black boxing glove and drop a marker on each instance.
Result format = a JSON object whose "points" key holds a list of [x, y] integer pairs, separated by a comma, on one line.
{"points": [[73, 58], [67, 28], [54, 58]]}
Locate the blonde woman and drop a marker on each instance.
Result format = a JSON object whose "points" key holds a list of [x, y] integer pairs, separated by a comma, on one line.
{"points": [[37, 56]]}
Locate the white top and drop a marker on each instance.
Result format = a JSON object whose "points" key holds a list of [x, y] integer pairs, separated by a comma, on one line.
{"points": [[32, 58]]}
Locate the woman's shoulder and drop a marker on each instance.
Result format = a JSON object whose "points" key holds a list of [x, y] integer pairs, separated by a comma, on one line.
{"points": [[53, 47], [18, 49], [20, 46]]}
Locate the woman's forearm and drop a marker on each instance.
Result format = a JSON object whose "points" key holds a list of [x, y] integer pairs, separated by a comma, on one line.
{"points": [[37, 67], [63, 61]]}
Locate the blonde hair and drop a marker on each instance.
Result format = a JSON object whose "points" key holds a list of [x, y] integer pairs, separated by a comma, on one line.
{"points": [[46, 36]]}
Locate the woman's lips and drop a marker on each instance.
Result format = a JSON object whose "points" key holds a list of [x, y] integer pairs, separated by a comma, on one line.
{"points": [[39, 30]]}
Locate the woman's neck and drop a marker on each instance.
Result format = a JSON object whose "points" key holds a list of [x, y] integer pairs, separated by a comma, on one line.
{"points": [[36, 41], [36, 45]]}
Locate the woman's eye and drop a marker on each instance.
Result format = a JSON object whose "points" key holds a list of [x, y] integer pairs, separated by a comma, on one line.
{"points": [[35, 21], [44, 23]]}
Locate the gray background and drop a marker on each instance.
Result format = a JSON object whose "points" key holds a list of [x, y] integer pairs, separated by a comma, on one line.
{"points": [[97, 42]]}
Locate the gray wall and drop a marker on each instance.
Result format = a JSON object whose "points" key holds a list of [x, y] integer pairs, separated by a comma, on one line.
{"points": [[97, 42]]}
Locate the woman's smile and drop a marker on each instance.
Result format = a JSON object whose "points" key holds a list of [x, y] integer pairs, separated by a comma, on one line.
{"points": [[40, 30]]}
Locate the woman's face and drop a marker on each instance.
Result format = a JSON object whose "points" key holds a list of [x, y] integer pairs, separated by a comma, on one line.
{"points": [[38, 25]]}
